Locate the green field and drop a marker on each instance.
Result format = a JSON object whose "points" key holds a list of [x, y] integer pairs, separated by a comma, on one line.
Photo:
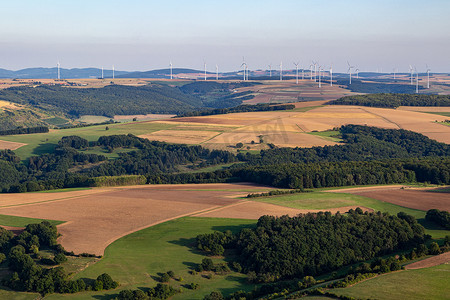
{"points": [[429, 283], [40, 143], [14, 221], [322, 200], [135, 260], [329, 135]]}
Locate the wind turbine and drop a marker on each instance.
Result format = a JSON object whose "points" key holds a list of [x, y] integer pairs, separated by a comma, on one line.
{"points": [[315, 70], [102, 73], [411, 71], [350, 71], [171, 73], [331, 75], [217, 72], [204, 64], [281, 71], [394, 72], [58, 65], [270, 70], [428, 76], [113, 71], [245, 68], [296, 68], [320, 83], [357, 73], [310, 70], [417, 80]]}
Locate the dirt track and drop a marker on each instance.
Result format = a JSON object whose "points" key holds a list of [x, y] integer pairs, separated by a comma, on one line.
{"points": [[97, 217]]}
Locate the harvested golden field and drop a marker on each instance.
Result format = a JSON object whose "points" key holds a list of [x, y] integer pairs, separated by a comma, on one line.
{"points": [[95, 218], [10, 145], [180, 136], [254, 210], [288, 128], [425, 108], [143, 117]]}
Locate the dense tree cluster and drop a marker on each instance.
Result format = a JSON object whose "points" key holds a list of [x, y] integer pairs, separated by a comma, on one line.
{"points": [[442, 218], [160, 291], [314, 244], [28, 130], [21, 253], [393, 100], [378, 87]]}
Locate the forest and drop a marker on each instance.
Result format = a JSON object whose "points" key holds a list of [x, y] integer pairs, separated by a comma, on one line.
{"points": [[378, 87], [393, 100], [114, 100], [314, 243], [368, 155]]}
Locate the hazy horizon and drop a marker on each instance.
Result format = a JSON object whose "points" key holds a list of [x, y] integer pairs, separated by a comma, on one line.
{"points": [[142, 35]]}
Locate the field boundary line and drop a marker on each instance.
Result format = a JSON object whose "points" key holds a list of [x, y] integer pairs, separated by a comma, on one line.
{"points": [[384, 118]]}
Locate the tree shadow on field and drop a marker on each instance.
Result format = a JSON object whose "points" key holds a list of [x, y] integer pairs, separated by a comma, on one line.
{"points": [[190, 265], [44, 148], [188, 243], [233, 228]]}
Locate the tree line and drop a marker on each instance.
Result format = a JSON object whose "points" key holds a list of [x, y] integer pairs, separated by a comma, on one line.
{"points": [[28, 130], [238, 109], [393, 100]]}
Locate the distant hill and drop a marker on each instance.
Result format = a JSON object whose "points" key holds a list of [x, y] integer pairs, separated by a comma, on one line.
{"points": [[108, 101], [162, 73], [51, 73]]}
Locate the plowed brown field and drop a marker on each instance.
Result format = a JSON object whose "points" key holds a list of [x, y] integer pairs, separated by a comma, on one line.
{"points": [[412, 198], [97, 217]]}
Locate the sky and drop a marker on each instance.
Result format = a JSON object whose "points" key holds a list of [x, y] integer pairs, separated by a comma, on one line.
{"points": [[146, 34]]}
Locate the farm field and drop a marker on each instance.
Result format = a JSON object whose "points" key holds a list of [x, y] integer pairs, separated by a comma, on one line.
{"points": [[412, 198], [428, 283], [95, 218], [118, 219], [40, 143], [136, 259]]}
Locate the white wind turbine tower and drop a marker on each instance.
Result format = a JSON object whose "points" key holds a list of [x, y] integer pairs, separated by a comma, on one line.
{"points": [[102, 73], [281, 71], [311, 71], [58, 66], [428, 77], [204, 64], [245, 68], [350, 71], [171, 73], [417, 80], [394, 70], [217, 72], [315, 70], [296, 69], [411, 71], [270, 70], [320, 82], [357, 73], [113, 71], [331, 75]]}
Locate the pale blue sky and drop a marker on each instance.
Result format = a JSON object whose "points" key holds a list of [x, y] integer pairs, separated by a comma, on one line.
{"points": [[143, 35]]}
